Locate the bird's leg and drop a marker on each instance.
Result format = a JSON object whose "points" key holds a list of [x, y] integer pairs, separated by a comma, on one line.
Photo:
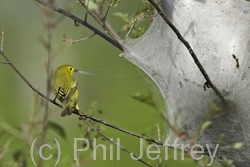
{"points": [[57, 94]]}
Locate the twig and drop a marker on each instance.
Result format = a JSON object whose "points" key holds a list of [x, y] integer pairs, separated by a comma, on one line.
{"points": [[11, 130], [107, 11], [93, 118], [80, 21], [1, 48], [49, 26], [151, 16], [186, 44], [5, 148], [27, 82], [86, 14], [159, 2], [78, 40], [2, 40], [77, 112], [4, 62], [107, 25], [159, 163], [108, 30], [133, 24], [122, 148]]}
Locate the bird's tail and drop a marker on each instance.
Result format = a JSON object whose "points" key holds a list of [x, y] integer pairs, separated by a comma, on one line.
{"points": [[67, 110]]}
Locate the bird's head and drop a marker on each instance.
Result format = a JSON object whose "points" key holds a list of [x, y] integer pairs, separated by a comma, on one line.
{"points": [[66, 69]]}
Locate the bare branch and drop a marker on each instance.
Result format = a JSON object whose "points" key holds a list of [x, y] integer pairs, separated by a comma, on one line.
{"points": [[76, 112], [5, 148], [93, 118], [86, 14], [159, 2], [122, 148], [5, 62], [107, 11], [84, 23], [134, 21], [83, 116], [186, 44], [2, 34], [109, 30], [64, 38], [107, 25], [27, 82]]}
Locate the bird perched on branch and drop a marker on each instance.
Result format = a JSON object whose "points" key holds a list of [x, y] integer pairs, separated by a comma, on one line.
{"points": [[65, 89]]}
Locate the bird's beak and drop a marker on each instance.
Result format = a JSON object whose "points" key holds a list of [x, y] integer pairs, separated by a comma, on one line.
{"points": [[76, 70]]}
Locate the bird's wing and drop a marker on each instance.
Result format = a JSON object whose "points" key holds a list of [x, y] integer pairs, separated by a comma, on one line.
{"points": [[73, 88], [66, 89]]}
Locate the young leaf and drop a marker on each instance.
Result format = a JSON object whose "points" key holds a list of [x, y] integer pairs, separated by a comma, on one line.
{"points": [[120, 15], [237, 145], [115, 2], [205, 125], [214, 107], [145, 98], [92, 5]]}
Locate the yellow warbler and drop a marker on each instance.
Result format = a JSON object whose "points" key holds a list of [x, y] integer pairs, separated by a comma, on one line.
{"points": [[65, 88]]}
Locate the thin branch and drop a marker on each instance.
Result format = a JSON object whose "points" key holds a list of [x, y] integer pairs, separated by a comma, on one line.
{"points": [[5, 148], [5, 62], [107, 25], [49, 27], [27, 82], [72, 41], [2, 40], [93, 118], [151, 16], [80, 21], [159, 2], [109, 30], [76, 112], [107, 11], [133, 24], [159, 163], [186, 44], [122, 148], [86, 14]]}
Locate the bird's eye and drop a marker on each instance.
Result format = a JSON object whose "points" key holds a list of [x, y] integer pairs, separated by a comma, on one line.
{"points": [[70, 69]]}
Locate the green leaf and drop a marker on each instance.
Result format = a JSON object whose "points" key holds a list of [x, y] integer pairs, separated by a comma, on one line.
{"points": [[227, 163], [237, 145], [145, 98], [115, 3], [221, 138], [205, 125], [120, 15], [58, 129], [214, 107], [91, 5]]}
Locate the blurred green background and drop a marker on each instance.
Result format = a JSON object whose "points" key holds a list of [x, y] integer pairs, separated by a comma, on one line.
{"points": [[115, 82]]}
